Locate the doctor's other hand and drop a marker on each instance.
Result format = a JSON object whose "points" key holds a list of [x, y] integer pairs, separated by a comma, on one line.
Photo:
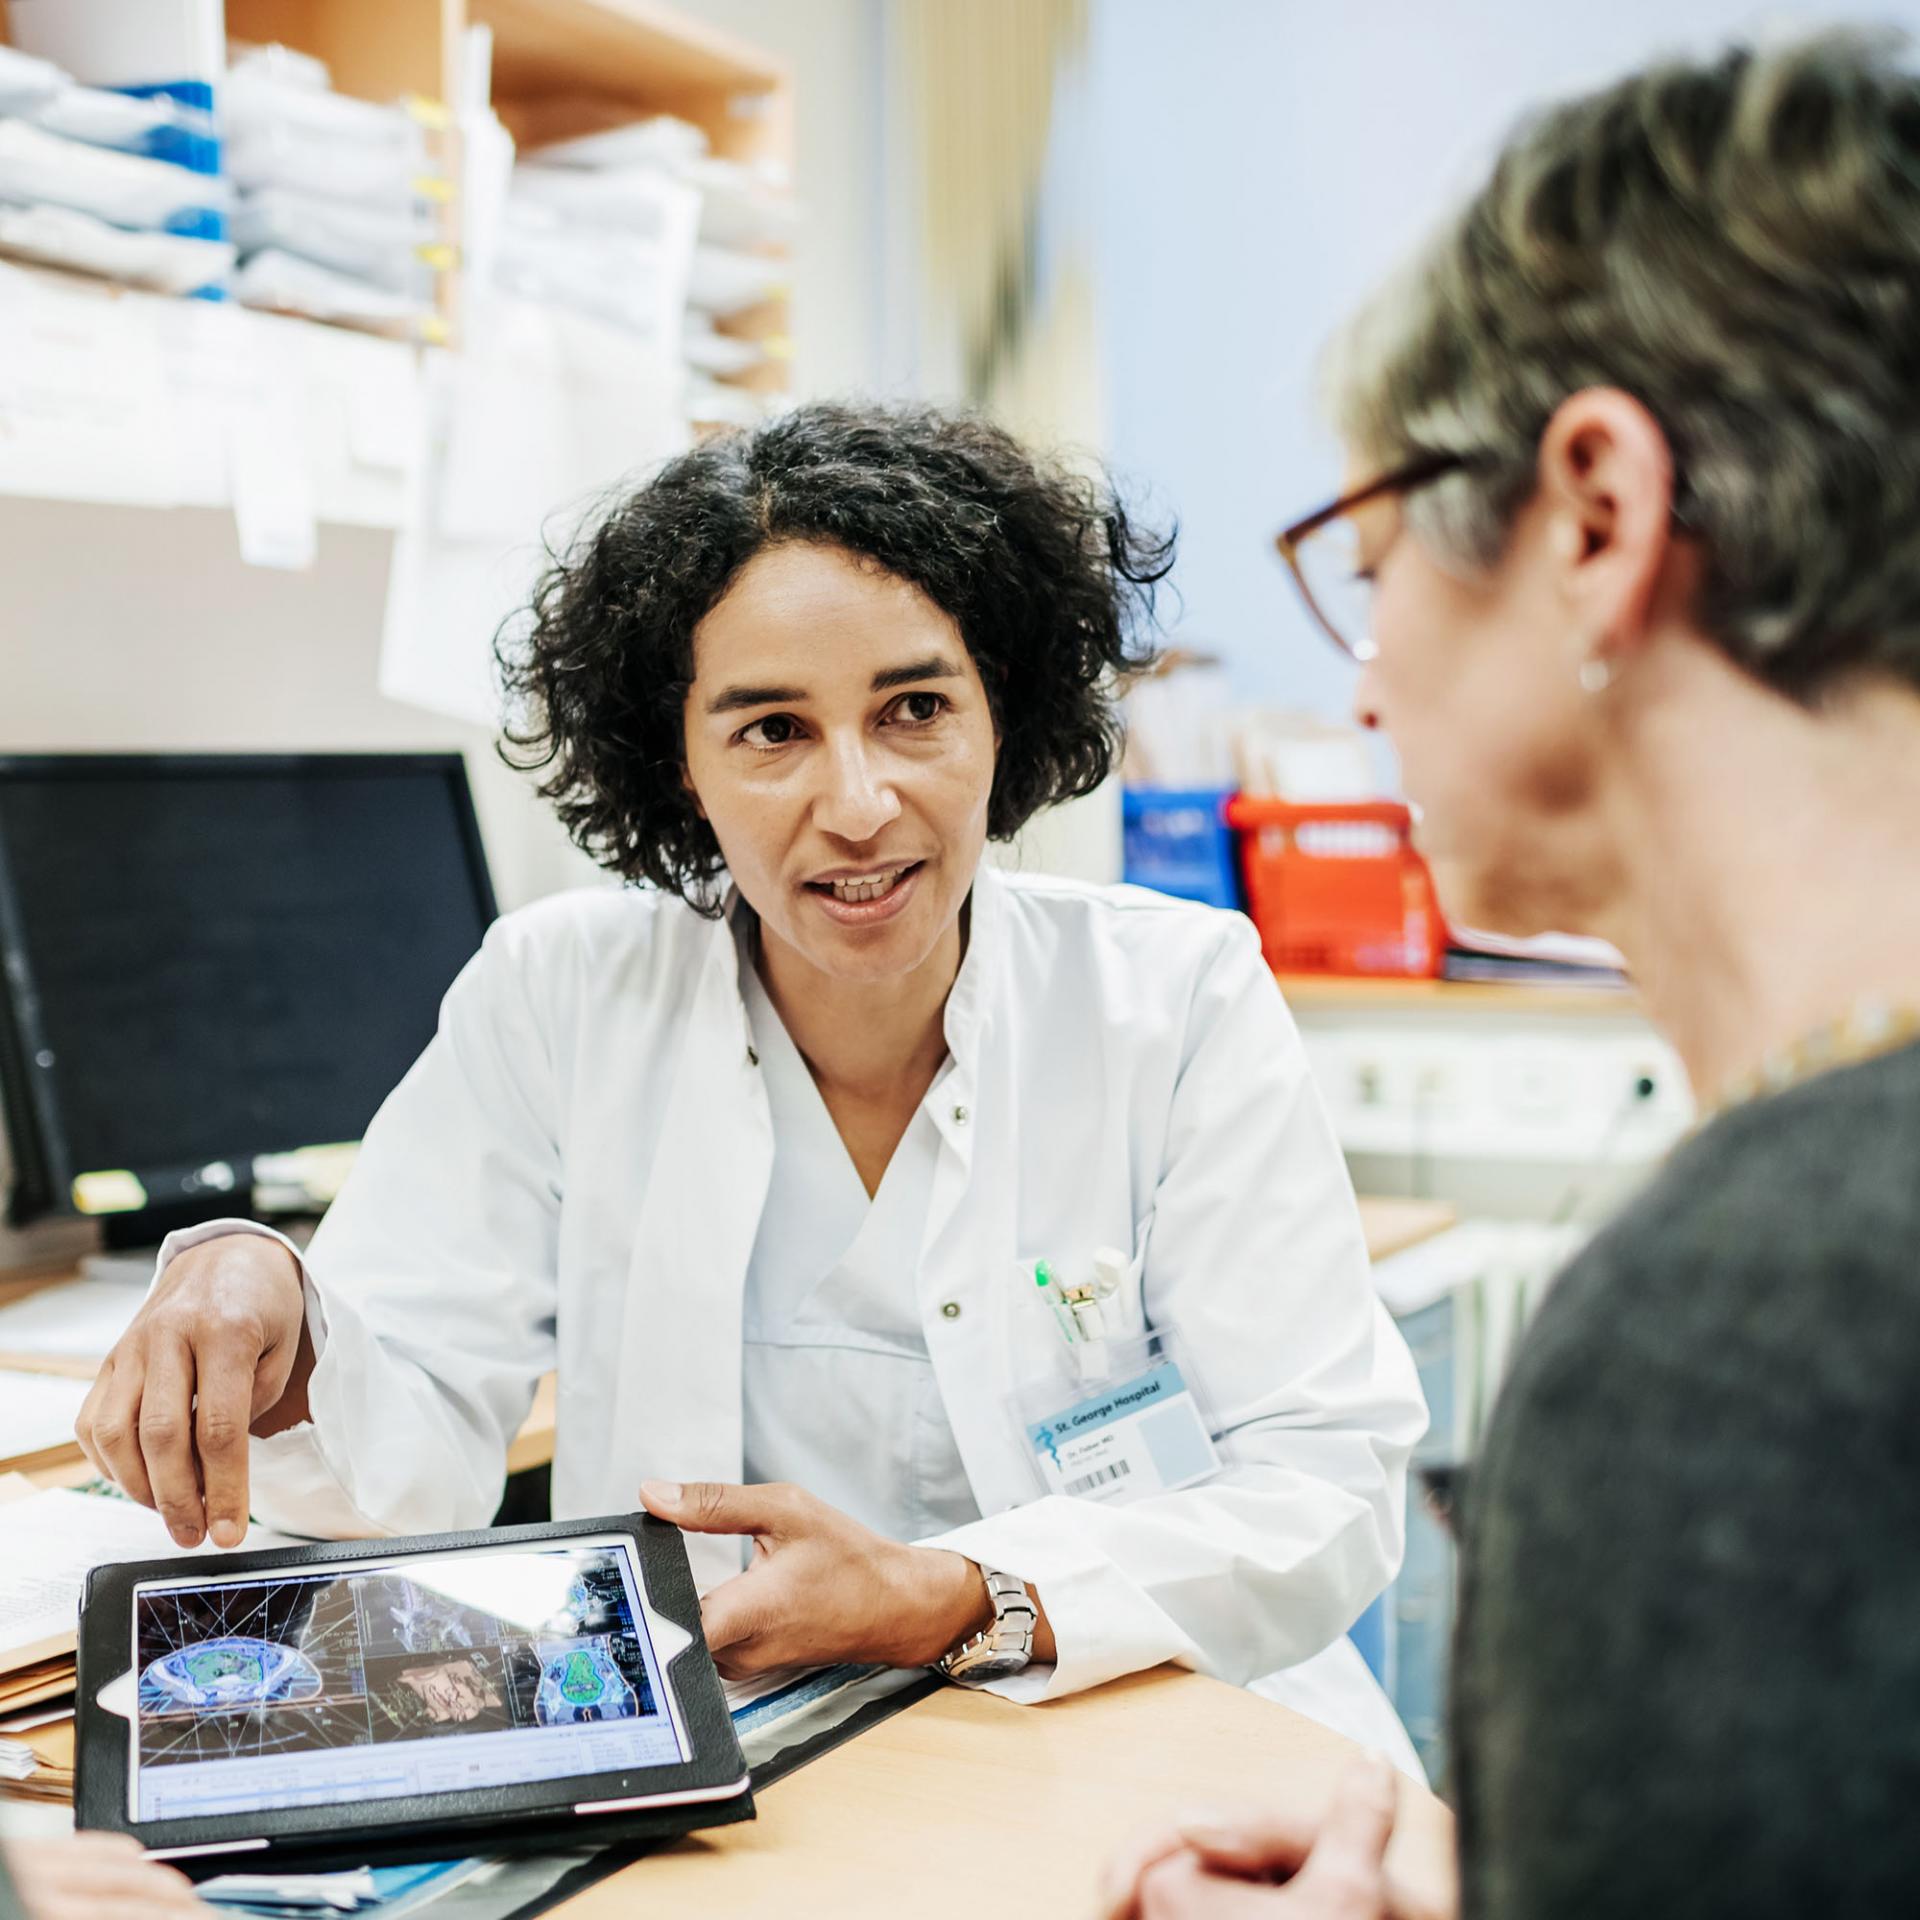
{"points": [[220, 1349], [97, 1876], [820, 1587], [1276, 1867]]}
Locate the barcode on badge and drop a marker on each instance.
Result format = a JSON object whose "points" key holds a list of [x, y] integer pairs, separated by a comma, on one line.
{"points": [[1097, 1478]]}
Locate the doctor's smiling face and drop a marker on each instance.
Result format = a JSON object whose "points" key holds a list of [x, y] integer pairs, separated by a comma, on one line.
{"points": [[840, 744], [827, 660]]}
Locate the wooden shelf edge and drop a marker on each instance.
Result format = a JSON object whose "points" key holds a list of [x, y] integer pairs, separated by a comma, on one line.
{"points": [[611, 43], [1319, 992]]}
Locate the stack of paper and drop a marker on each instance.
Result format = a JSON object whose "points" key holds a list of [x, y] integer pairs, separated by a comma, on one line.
{"points": [[392, 1891], [78, 1321], [339, 210], [1545, 960], [37, 1762], [49, 1542], [120, 177], [35, 1682], [607, 225], [37, 1412]]}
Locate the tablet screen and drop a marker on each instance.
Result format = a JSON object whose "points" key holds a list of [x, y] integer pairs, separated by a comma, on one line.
{"points": [[380, 1679]]}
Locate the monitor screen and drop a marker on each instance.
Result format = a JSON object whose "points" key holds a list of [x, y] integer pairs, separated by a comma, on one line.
{"points": [[209, 958], [382, 1679]]}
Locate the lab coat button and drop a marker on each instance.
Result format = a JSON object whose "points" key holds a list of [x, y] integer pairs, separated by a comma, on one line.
{"points": [[961, 1116], [951, 1309]]}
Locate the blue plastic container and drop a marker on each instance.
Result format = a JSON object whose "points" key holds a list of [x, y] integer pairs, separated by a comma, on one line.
{"points": [[1178, 842]]}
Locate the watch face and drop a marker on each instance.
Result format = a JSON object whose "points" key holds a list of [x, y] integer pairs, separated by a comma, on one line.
{"points": [[991, 1666]]}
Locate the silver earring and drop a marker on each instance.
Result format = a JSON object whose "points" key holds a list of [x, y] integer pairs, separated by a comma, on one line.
{"points": [[1596, 674]]}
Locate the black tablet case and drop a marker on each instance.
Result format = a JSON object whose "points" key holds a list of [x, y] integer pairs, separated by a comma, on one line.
{"points": [[439, 1826]]}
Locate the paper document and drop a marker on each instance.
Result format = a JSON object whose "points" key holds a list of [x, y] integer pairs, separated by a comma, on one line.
{"points": [[37, 1412], [85, 410], [538, 415], [48, 1545], [18, 1723], [775, 1711], [81, 1322]]}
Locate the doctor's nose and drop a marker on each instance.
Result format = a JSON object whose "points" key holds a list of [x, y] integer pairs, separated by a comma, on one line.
{"points": [[855, 800]]}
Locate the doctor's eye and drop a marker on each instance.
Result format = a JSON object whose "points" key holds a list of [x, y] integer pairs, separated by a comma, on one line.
{"points": [[920, 709], [776, 730]]}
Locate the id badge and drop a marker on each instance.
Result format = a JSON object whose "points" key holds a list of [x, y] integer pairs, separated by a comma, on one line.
{"points": [[1138, 1432]]}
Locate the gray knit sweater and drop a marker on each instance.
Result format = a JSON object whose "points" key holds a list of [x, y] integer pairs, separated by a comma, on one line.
{"points": [[1687, 1670]]}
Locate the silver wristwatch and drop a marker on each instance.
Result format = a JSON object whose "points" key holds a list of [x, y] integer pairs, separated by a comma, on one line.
{"points": [[1001, 1649]]}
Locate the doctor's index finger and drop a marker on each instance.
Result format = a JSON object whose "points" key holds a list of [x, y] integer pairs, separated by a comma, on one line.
{"points": [[223, 1412]]}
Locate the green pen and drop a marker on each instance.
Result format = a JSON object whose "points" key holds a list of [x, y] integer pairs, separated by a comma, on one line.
{"points": [[1043, 1279]]}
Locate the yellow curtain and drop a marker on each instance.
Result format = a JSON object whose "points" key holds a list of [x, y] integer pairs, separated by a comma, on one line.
{"points": [[1004, 254], [1014, 330]]}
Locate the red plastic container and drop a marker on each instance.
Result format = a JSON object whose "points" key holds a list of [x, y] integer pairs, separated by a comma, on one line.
{"points": [[1338, 888]]}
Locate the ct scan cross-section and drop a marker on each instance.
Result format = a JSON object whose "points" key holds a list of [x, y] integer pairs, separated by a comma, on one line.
{"points": [[385, 1681]]}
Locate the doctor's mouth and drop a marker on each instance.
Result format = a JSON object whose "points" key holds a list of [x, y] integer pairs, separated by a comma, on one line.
{"points": [[865, 897]]}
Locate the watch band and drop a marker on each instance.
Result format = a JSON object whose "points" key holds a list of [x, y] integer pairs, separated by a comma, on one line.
{"points": [[1002, 1648]]}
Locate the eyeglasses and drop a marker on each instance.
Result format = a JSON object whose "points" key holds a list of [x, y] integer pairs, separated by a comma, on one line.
{"points": [[1323, 553]]}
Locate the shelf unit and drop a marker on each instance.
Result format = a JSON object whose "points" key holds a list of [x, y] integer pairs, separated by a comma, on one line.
{"points": [[560, 68], [1324, 992]]}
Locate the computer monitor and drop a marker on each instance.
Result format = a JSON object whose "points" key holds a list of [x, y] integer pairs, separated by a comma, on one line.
{"points": [[210, 958]]}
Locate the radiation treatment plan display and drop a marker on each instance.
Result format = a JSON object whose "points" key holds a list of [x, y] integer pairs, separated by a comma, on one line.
{"points": [[381, 1679]]}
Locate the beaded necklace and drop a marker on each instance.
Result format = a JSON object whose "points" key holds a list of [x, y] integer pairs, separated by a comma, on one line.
{"points": [[1872, 1027]]}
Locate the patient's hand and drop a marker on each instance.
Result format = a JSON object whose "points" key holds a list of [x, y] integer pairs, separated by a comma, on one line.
{"points": [[821, 1587], [1274, 1867], [97, 1876]]}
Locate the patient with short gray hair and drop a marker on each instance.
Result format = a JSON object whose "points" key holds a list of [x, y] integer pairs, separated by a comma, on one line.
{"points": [[1632, 525]]}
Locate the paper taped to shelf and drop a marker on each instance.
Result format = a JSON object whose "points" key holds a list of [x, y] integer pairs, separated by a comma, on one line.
{"points": [[85, 412], [273, 508], [128, 399], [542, 412]]}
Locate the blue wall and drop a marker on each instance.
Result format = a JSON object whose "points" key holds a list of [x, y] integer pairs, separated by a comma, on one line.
{"points": [[1263, 163]]}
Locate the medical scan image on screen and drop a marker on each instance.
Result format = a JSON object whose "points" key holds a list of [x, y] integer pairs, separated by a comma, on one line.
{"points": [[381, 1680]]}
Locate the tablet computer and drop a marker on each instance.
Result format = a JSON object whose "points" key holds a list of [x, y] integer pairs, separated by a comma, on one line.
{"points": [[386, 1700]]}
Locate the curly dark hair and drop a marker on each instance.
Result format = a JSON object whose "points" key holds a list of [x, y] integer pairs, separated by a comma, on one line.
{"points": [[1049, 581]]}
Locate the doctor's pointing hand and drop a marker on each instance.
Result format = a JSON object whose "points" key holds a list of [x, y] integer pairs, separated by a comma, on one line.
{"points": [[765, 1147]]}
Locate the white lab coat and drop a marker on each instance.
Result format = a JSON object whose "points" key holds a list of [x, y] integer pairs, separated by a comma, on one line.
{"points": [[572, 1175]]}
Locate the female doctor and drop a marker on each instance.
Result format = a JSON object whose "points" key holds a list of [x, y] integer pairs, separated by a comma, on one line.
{"points": [[764, 1171]]}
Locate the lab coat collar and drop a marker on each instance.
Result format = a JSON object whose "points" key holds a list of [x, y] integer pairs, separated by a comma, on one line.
{"points": [[972, 994], [967, 1003]]}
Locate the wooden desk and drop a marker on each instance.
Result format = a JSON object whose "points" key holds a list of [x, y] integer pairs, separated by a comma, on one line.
{"points": [[964, 1805], [1391, 1226]]}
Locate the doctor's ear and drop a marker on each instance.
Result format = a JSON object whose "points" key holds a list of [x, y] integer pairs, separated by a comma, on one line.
{"points": [[693, 793]]}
